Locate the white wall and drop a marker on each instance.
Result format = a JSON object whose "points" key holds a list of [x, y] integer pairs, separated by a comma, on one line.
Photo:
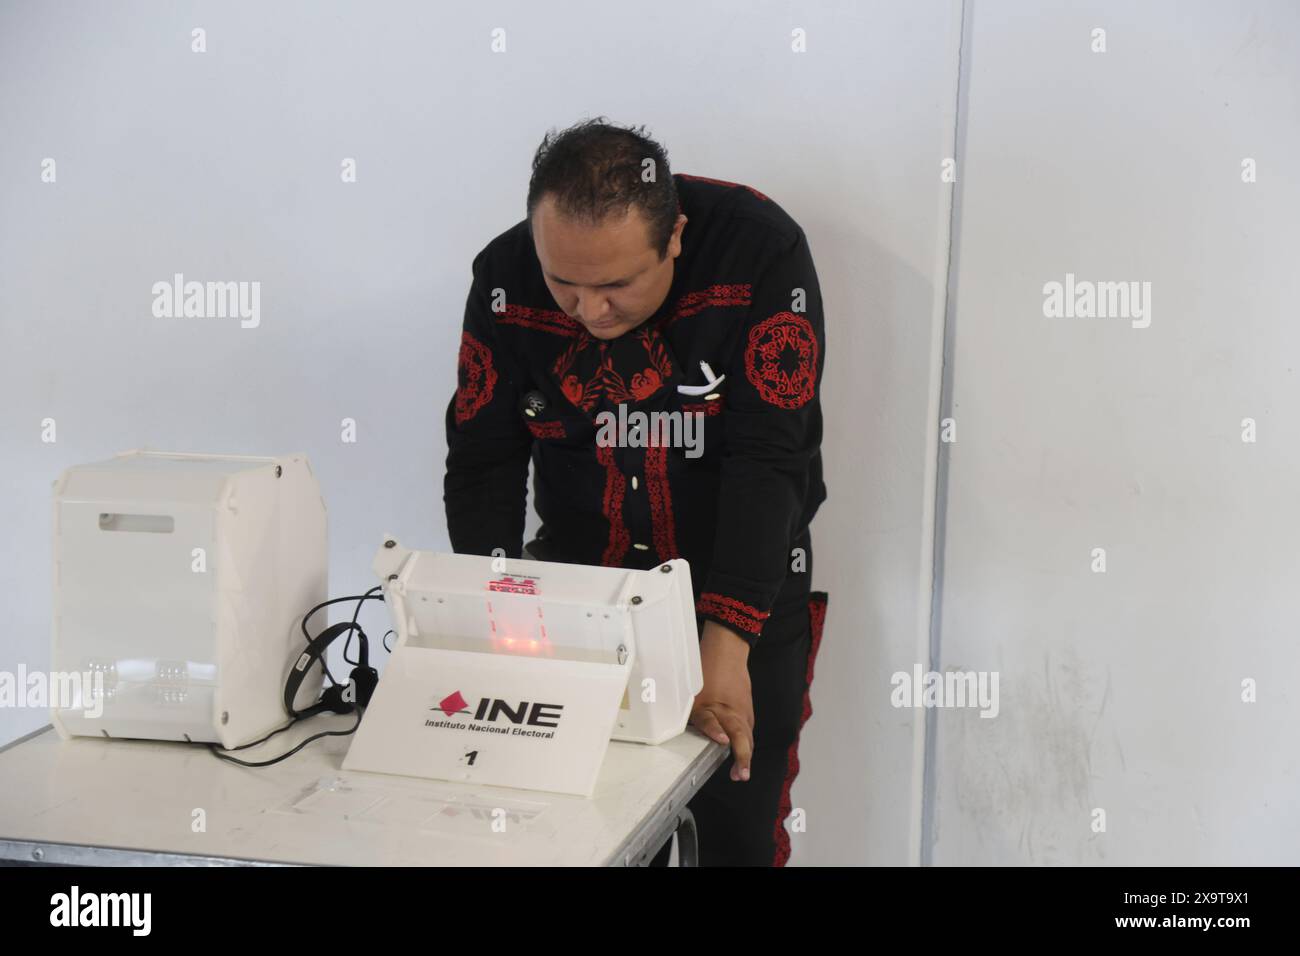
{"points": [[226, 165], [1122, 690]]}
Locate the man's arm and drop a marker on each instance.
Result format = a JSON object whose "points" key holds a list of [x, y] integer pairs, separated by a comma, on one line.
{"points": [[772, 424], [488, 445]]}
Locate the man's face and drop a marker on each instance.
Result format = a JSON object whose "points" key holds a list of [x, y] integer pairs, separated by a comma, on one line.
{"points": [[607, 276]]}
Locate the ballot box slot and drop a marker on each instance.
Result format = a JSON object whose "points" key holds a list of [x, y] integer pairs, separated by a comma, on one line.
{"points": [[149, 524]]}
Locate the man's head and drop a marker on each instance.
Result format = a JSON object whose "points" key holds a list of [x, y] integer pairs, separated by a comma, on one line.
{"points": [[602, 208]]}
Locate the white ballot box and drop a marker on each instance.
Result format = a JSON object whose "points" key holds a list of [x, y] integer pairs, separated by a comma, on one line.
{"points": [[179, 584], [517, 673]]}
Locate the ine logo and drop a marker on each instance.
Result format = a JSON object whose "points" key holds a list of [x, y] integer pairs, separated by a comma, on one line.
{"points": [[494, 709]]}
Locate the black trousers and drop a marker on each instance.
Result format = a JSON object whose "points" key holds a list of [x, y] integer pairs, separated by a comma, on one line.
{"points": [[742, 823]]}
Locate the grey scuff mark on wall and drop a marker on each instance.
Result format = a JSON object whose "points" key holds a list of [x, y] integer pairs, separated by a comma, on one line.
{"points": [[1029, 771]]}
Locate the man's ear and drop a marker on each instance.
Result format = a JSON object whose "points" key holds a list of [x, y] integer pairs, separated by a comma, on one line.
{"points": [[675, 240]]}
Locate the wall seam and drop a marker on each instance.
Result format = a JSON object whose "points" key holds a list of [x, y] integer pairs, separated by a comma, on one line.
{"points": [[942, 454]]}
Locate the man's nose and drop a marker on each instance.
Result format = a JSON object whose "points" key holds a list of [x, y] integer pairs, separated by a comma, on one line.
{"points": [[592, 306]]}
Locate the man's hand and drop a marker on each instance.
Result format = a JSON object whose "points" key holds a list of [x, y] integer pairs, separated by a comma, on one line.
{"points": [[724, 708]]}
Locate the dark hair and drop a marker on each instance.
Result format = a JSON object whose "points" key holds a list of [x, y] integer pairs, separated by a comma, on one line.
{"points": [[595, 169]]}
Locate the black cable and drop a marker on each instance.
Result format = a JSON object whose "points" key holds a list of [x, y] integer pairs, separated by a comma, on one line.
{"points": [[359, 598], [368, 596], [223, 753], [385, 640], [279, 730], [356, 614], [217, 749]]}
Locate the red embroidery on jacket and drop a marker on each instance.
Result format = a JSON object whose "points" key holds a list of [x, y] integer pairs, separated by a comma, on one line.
{"points": [[661, 501], [544, 320], [723, 182], [475, 377], [546, 429], [582, 394], [708, 409], [735, 294], [607, 379], [817, 618], [781, 360], [692, 302], [744, 616], [620, 539], [646, 382]]}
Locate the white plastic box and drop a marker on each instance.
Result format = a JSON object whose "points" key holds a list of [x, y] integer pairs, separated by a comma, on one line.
{"points": [[518, 673], [182, 579]]}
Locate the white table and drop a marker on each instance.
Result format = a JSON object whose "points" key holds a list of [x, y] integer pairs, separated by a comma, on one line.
{"points": [[116, 802]]}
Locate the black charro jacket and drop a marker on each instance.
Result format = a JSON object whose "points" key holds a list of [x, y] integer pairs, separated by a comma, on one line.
{"points": [[745, 300]]}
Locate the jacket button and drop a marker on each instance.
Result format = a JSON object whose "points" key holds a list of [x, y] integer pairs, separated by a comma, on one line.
{"points": [[533, 404]]}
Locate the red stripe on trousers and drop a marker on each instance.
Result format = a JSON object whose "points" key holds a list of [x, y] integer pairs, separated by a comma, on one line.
{"points": [[817, 614]]}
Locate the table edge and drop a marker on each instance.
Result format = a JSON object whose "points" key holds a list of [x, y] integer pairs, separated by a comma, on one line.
{"points": [[636, 849]]}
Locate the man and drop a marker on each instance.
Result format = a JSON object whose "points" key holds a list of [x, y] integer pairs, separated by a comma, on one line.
{"points": [[629, 286]]}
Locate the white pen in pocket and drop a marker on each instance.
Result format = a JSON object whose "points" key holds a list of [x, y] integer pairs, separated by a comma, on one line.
{"points": [[705, 388]]}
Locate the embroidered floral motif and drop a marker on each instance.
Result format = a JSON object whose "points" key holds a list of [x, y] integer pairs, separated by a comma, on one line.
{"points": [[476, 378], [781, 360], [582, 394], [646, 382], [606, 379]]}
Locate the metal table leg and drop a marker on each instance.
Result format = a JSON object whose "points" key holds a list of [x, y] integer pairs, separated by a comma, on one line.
{"points": [[688, 839]]}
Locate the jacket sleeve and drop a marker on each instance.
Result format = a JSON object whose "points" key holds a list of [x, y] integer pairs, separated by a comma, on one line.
{"points": [[485, 490], [773, 427]]}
